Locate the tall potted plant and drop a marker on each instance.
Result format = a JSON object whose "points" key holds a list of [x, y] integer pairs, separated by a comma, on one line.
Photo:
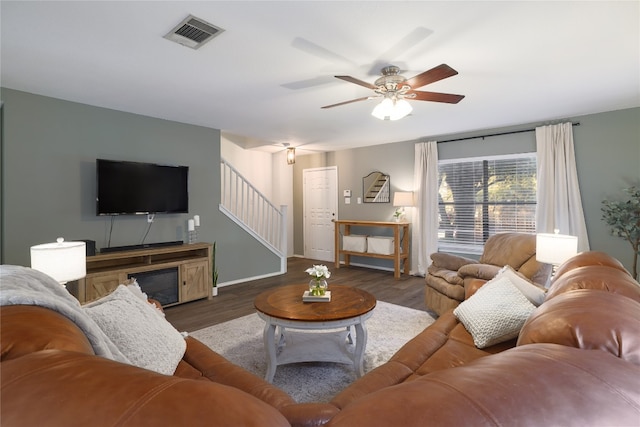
{"points": [[624, 219]]}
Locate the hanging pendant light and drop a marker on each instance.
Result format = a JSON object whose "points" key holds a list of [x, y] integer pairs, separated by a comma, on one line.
{"points": [[291, 155]]}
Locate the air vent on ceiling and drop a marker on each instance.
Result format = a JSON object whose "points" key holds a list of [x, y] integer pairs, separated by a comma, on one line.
{"points": [[193, 32]]}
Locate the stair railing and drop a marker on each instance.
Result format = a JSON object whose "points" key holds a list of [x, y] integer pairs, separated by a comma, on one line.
{"points": [[249, 208]]}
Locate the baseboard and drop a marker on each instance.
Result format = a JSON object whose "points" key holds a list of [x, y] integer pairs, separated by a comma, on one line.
{"points": [[249, 279], [373, 267], [357, 264]]}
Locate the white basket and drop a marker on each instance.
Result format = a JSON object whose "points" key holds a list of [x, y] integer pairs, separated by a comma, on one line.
{"points": [[381, 245], [354, 243]]}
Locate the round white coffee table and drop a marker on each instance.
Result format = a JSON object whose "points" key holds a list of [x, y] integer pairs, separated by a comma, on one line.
{"points": [[297, 331]]}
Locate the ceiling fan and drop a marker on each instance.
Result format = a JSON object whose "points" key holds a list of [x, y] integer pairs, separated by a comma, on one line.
{"points": [[395, 88]]}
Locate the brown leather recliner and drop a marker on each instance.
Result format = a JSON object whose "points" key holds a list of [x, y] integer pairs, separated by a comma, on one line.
{"points": [[448, 274]]}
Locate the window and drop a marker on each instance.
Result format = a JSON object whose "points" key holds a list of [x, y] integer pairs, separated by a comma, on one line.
{"points": [[480, 197]]}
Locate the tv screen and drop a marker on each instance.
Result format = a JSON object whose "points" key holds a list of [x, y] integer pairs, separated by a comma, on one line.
{"points": [[129, 188]]}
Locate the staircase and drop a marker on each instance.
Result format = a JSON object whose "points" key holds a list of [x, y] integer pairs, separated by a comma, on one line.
{"points": [[251, 210]]}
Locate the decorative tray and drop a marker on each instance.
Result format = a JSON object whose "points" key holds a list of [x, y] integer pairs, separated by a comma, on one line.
{"points": [[316, 298]]}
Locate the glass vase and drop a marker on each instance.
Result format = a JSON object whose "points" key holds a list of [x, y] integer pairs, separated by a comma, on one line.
{"points": [[318, 287]]}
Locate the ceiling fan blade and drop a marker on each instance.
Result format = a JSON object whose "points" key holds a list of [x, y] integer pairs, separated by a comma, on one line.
{"points": [[320, 52], [449, 98], [433, 75], [403, 45], [356, 81], [308, 83], [349, 102]]}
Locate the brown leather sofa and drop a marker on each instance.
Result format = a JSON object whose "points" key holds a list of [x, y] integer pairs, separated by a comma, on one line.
{"points": [[50, 376], [576, 362], [449, 274]]}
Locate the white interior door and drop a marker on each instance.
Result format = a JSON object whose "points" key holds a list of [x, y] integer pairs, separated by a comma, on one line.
{"points": [[320, 203]]}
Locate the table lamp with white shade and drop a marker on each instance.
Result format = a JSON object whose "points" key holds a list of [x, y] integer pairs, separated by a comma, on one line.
{"points": [[401, 200], [555, 248], [64, 261]]}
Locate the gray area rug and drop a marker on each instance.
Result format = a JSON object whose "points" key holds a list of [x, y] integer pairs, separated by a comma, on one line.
{"points": [[240, 341]]}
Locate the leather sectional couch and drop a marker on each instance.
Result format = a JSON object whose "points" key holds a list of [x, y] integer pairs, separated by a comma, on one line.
{"points": [[575, 362], [50, 376]]}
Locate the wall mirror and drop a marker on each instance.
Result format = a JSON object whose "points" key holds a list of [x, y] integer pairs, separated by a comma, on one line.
{"points": [[376, 188]]}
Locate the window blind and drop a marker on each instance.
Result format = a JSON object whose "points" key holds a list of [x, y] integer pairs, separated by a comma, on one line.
{"points": [[480, 197]]}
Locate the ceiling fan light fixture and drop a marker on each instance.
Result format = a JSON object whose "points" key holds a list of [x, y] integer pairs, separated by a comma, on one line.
{"points": [[390, 109], [401, 109], [383, 110]]}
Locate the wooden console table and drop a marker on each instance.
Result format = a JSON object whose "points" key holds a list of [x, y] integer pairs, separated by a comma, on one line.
{"points": [[401, 238], [194, 263]]}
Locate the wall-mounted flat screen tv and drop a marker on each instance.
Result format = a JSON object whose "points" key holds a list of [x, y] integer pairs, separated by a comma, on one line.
{"points": [[130, 188]]}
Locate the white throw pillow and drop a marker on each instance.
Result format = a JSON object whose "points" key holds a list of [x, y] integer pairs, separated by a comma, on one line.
{"points": [[134, 287], [139, 332], [495, 313], [534, 293]]}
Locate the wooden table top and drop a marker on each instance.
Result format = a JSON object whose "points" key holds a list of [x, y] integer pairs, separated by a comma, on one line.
{"points": [[285, 302]]}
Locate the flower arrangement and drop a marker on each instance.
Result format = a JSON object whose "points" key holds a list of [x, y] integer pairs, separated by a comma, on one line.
{"points": [[318, 283], [319, 272]]}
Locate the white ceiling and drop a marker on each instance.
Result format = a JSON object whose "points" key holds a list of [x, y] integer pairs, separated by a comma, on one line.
{"points": [[265, 78]]}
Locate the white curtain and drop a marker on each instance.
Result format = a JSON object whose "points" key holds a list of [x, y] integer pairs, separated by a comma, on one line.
{"points": [[424, 236], [559, 203]]}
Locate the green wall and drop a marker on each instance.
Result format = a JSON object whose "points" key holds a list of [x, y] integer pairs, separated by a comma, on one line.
{"points": [[607, 149], [49, 148]]}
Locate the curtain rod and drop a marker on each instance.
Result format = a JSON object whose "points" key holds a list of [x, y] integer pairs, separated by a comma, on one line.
{"points": [[496, 134]]}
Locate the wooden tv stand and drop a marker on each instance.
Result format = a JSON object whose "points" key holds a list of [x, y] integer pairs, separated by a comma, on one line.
{"points": [[194, 263], [400, 253]]}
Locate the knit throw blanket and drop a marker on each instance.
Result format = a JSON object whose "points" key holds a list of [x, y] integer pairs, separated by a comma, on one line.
{"points": [[26, 286]]}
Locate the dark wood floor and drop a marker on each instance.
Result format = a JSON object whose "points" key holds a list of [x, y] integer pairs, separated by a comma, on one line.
{"points": [[237, 300]]}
